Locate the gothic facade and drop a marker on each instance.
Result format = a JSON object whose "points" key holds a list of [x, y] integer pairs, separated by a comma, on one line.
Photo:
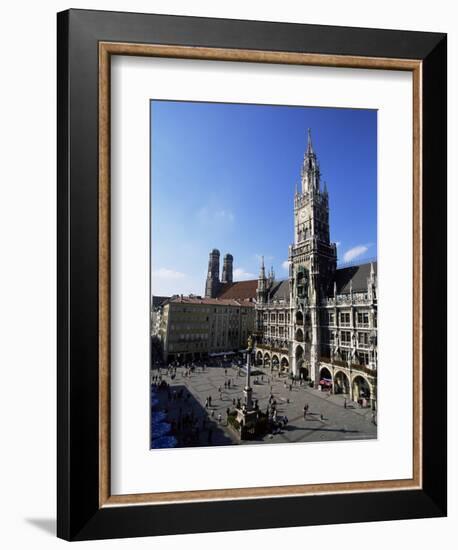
{"points": [[320, 324]]}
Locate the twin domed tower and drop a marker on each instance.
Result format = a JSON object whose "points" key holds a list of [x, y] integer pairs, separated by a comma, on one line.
{"points": [[213, 282]]}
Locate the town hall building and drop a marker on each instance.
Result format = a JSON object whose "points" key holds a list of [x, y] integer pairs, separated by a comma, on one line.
{"points": [[319, 324]]}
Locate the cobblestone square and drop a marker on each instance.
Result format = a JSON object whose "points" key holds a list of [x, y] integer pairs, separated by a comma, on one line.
{"points": [[329, 417]]}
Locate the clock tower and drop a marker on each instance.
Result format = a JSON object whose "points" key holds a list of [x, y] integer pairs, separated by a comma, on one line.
{"points": [[312, 259]]}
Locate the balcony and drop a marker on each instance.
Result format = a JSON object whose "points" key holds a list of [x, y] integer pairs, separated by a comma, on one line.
{"points": [[362, 345], [372, 371]]}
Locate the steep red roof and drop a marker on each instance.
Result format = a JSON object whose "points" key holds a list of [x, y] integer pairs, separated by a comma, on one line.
{"points": [[241, 290], [209, 301]]}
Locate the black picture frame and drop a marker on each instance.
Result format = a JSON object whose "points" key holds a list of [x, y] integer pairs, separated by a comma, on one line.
{"points": [[79, 515]]}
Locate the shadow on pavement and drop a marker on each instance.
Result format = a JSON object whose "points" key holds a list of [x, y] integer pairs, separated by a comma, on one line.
{"points": [[192, 423]]}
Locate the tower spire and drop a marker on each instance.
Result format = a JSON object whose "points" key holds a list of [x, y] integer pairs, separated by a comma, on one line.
{"points": [[262, 271], [310, 173], [309, 141], [262, 283]]}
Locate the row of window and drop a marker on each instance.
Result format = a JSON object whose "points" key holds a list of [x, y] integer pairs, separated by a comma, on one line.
{"points": [[362, 357], [362, 318], [345, 338], [273, 317]]}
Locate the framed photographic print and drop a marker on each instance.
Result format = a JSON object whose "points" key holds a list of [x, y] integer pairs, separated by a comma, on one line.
{"points": [[252, 274]]}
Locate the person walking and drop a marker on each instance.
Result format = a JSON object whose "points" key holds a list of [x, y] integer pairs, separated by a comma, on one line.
{"points": [[345, 403]]}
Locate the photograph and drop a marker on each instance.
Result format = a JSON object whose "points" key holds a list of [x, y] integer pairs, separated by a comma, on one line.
{"points": [[263, 274]]}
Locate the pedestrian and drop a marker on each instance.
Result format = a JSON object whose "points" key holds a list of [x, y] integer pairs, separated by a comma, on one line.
{"points": [[213, 413], [206, 403], [305, 412], [345, 403], [219, 418], [233, 401], [321, 417], [290, 387], [210, 400]]}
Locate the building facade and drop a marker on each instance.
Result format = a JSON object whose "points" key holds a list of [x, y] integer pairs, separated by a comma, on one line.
{"points": [[320, 324], [192, 327]]}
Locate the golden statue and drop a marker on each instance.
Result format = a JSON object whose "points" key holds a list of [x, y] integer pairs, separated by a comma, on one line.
{"points": [[250, 343]]}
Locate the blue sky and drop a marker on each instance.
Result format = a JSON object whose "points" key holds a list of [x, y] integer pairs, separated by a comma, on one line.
{"points": [[223, 176]]}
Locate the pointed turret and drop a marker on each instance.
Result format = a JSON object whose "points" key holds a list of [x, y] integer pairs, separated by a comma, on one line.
{"points": [[309, 142], [310, 170], [271, 276], [261, 291]]}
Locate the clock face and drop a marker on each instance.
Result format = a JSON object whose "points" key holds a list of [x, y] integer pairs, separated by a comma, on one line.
{"points": [[302, 215]]}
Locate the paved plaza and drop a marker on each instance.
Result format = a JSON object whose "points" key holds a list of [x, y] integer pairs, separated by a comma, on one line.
{"points": [[329, 417]]}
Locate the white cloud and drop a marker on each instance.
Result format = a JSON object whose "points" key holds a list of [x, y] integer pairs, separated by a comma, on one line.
{"points": [[285, 265], [224, 215], [355, 252], [240, 274], [211, 215], [164, 273]]}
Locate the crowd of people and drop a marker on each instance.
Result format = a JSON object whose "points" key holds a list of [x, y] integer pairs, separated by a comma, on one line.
{"points": [[200, 420]]}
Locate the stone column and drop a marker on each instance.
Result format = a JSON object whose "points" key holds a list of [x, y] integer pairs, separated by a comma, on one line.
{"points": [[248, 391]]}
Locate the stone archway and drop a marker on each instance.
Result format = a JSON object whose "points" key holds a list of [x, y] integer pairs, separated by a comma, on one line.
{"points": [[301, 369], [299, 354], [275, 361], [266, 360], [259, 358], [325, 374], [341, 383], [361, 389], [284, 364]]}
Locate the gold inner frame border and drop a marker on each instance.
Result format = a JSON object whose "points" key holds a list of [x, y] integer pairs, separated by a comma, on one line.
{"points": [[108, 49]]}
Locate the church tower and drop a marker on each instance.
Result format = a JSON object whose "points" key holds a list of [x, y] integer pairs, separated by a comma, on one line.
{"points": [[313, 260], [226, 276], [212, 283]]}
